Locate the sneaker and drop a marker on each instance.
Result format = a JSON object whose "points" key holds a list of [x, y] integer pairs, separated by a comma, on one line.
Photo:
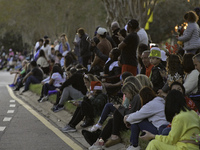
{"points": [[95, 127], [96, 146], [39, 99], [57, 108], [65, 128], [45, 98], [68, 129], [11, 85], [111, 142], [133, 148]]}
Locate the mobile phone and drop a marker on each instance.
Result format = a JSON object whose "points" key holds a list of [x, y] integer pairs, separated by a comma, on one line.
{"points": [[88, 39]]}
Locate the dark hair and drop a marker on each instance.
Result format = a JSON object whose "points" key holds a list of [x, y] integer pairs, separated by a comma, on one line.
{"points": [[70, 58], [79, 66], [126, 74], [81, 31], [59, 55], [46, 43], [33, 63], [188, 64], [72, 70], [42, 54], [146, 94], [58, 69], [133, 24], [52, 61], [174, 64], [116, 53], [41, 40], [122, 32], [178, 83], [191, 16], [142, 47], [175, 102], [104, 35]]}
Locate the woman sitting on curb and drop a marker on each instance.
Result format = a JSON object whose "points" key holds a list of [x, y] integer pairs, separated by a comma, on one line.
{"points": [[150, 117], [54, 81], [185, 122]]}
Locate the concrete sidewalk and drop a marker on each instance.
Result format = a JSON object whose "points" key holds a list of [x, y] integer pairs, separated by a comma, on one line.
{"points": [[59, 119]]}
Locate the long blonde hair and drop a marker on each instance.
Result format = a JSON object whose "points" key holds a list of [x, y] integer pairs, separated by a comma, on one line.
{"points": [[130, 88]]}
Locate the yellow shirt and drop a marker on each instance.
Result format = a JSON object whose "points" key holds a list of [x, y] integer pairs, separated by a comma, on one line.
{"points": [[183, 126]]}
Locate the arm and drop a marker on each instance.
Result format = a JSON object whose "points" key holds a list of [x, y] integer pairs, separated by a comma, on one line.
{"points": [[191, 81], [100, 54], [29, 74], [187, 34], [51, 81], [122, 45], [146, 111]]}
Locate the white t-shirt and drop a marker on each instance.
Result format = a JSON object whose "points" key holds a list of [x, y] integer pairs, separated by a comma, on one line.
{"points": [[57, 79], [56, 47], [143, 37], [47, 51]]}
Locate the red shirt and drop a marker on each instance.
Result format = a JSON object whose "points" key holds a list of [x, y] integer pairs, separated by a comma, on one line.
{"points": [[148, 70]]}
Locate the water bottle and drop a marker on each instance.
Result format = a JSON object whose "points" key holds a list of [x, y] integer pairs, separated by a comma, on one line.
{"points": [[101, 143]]}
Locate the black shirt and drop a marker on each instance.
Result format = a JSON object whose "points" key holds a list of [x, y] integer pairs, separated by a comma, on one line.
{"points": [[128, 55], [37, 73], [76, 81]]}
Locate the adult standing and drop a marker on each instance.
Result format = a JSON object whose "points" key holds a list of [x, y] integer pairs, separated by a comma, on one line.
{"points": [[190, 36], [104, 46], [115, 29], [84, 47], [128, 48], [64, 46]]}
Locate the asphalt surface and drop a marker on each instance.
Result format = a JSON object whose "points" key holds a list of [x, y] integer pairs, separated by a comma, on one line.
{"points": [[34, 125]]}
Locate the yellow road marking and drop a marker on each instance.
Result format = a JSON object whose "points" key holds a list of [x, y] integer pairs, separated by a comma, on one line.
{"points": [[62, 136]]}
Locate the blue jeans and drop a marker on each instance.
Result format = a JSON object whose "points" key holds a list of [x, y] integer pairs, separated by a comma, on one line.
{"points": [[29, 80], [166, 131], [106, 111], [136, 128]]}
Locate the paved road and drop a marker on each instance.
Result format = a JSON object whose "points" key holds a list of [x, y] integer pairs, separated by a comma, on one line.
{"points": [[21, 129]]}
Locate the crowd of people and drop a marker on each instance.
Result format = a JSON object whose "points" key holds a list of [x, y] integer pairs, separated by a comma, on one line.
{"points": [[121, 78]]}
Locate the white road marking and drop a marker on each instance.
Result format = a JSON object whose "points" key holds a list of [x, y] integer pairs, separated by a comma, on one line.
{"points": [[10, 111], [12, 105], [2, 128], [7, 118], [12, 101]]}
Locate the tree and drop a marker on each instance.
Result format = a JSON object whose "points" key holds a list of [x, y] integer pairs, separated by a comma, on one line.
{"points": [[123, 10], [168, 14]]}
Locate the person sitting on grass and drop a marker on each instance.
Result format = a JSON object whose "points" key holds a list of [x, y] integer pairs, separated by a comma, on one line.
{"points": [[185, 122], [52, 82], [19, 73], [150, 117], [35, 76], [43, 63], [72, 88], [90, 107]]}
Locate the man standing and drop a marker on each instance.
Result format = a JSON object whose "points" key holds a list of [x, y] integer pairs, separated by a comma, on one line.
{"points": [[105, 47], [128, 48], [115, 29], [84, 47]]}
